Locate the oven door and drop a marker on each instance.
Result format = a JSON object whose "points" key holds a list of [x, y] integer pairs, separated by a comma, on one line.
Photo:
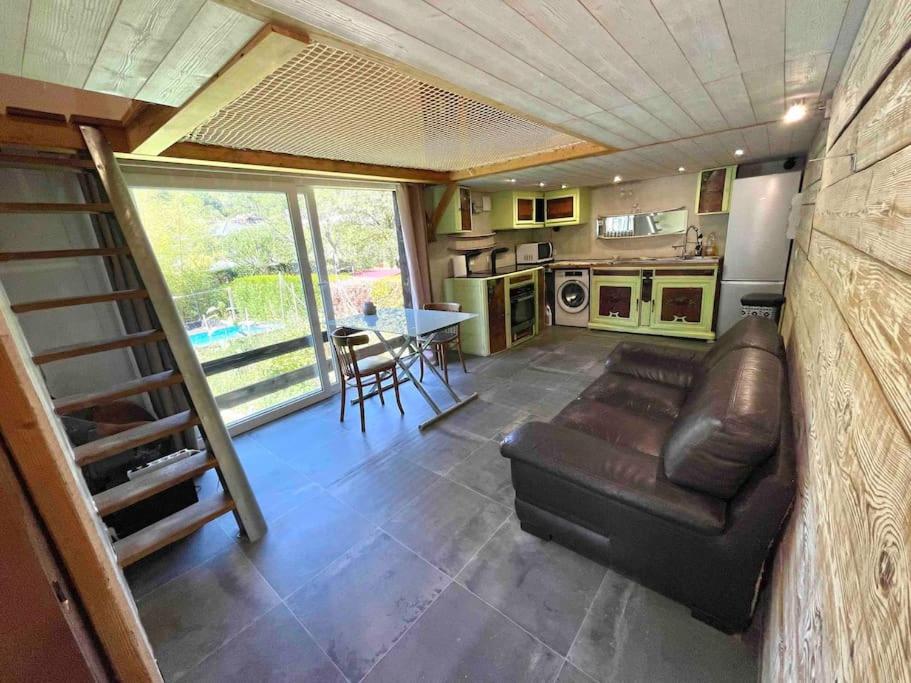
{"points": [[522, 312]]}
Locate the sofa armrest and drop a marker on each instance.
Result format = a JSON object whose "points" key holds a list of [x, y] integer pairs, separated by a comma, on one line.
{"points": [[662, 364], [633, 478]]}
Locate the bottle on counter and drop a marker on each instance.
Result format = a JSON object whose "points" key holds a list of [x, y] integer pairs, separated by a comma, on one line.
{"points": [[710, 248]]}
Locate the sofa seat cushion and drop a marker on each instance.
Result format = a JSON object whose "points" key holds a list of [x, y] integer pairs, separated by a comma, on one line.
{"points": [[616, 425], [662, 364], [636, 395], [729, 424], [560, 454]]}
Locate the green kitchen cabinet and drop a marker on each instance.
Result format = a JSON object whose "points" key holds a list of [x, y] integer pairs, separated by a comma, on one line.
{"points": [[683, 304], [566, 207], [713, 190], [614, 299], [456, 218], [516, 210], [674, 301]]}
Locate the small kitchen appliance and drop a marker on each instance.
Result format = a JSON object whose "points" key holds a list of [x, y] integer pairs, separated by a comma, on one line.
{"points": [[535, 252]]}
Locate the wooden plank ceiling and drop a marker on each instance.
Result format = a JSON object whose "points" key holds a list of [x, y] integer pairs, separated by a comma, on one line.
{"points": [[158, 51], [673, 83]]}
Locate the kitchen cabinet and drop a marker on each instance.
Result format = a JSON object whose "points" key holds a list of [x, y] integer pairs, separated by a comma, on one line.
{"points": [[517, 210], [489, 298], [566, 207], [456, 217], [683, 303], [615, 298], [677, 301], [713, 190]]}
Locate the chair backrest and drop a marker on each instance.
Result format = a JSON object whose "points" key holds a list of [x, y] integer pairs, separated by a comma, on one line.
{"points": [[345, 340], [443, 306]]}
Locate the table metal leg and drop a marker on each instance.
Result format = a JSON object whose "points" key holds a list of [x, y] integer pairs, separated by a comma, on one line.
{"points": [[406, 368]]}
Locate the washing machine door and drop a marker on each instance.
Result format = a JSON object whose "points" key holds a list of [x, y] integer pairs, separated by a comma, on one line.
{"points": [[572, 296]]}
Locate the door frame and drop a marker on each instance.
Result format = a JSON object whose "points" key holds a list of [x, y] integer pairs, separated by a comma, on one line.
{"points": [[146, 175]]}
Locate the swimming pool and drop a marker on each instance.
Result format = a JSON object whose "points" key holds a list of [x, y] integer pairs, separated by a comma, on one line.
{"points": [[201, 338]]}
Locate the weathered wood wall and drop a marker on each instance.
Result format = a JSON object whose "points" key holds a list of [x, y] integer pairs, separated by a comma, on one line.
{"points": [[841, 589]]}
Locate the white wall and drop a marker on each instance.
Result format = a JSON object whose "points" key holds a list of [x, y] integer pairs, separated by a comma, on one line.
{"points": [[46, 279]]}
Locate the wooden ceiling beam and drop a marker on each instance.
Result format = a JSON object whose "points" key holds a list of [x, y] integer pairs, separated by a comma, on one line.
{"points": [[158, 127], [53, 134], [579, 150], [212, 155]]}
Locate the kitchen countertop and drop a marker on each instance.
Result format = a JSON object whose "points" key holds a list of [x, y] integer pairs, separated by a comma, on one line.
{"points": [[642, 262], [501, 272]]}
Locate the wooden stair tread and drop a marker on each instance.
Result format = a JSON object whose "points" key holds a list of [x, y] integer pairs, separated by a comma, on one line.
{"points": [[147, 485], [69, 404], [45, 304], [131, 438], [74, 350], [55, 207], [172, 528], [62, 253]]}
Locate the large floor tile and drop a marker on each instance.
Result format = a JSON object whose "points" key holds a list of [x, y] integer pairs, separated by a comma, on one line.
{"points": [[632, 633], [196, 613], [570, 674], [361, 604], [306, 539], [438, 449], [382, 487], [275, 649], [447, 524], [539, 402], [487, 420], [461, 639], [173, 560], [487, 472], [544, 587], [579, 361]]}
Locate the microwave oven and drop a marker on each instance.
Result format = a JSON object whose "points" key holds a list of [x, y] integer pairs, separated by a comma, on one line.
{"points": [[535, 252]]}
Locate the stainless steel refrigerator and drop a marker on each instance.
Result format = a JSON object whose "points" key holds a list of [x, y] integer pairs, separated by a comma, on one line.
{"points": [[756, 248]]}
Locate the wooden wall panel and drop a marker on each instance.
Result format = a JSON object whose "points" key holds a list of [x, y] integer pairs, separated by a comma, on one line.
{"points": [[840, 594]]}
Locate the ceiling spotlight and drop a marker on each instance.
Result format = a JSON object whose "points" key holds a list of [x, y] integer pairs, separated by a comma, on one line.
{"points": [[542, 184], [795, 112], [738, 152], [510, 180], [617, 179], [563, 186], [681, 169]]}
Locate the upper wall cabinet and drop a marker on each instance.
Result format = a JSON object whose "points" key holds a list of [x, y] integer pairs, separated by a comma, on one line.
{"points": [[713, 190], [516, 210], [456, 218], [513, 210]]}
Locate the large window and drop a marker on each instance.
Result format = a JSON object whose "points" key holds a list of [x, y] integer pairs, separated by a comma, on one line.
{"points": [[255, 272]]}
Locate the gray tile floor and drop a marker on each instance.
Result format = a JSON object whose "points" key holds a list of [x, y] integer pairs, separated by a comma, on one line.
{"points": [[396, 556]]}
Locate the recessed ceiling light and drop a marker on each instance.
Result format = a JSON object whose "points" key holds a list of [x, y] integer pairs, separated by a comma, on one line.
{"points": [[510, 180], [563, 186], [681, 169], [738, 152], [542, 184], [617, 179], [795, 112]]}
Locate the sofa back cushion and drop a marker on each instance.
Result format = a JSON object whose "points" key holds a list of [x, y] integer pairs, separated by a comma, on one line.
{"points": [[751, 332], [729, 423]]}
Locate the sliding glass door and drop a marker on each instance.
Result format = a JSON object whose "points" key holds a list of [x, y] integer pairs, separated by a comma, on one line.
{"points": [[259, 268], [233, 266]]}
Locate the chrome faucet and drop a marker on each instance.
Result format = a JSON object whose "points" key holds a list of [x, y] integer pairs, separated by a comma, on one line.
{"points": [[697, 249]]}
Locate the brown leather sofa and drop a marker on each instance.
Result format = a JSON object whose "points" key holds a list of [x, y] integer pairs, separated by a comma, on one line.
{"points": [[675, 467]]}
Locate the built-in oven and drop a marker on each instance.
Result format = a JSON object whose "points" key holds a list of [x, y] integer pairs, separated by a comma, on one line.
{"points": [[522, 311]]}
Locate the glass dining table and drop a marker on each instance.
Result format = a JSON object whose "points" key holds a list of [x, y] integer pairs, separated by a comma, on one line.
{"points": [[405, 334]]}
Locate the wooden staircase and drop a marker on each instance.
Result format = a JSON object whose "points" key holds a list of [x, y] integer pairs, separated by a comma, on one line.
{"points": [[132, 253]]}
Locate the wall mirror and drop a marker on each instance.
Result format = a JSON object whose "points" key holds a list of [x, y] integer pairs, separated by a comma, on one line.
{"points": [[646, 224]]}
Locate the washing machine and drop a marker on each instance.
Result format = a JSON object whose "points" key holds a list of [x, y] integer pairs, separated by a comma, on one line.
{"points": [[571, 293]]}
